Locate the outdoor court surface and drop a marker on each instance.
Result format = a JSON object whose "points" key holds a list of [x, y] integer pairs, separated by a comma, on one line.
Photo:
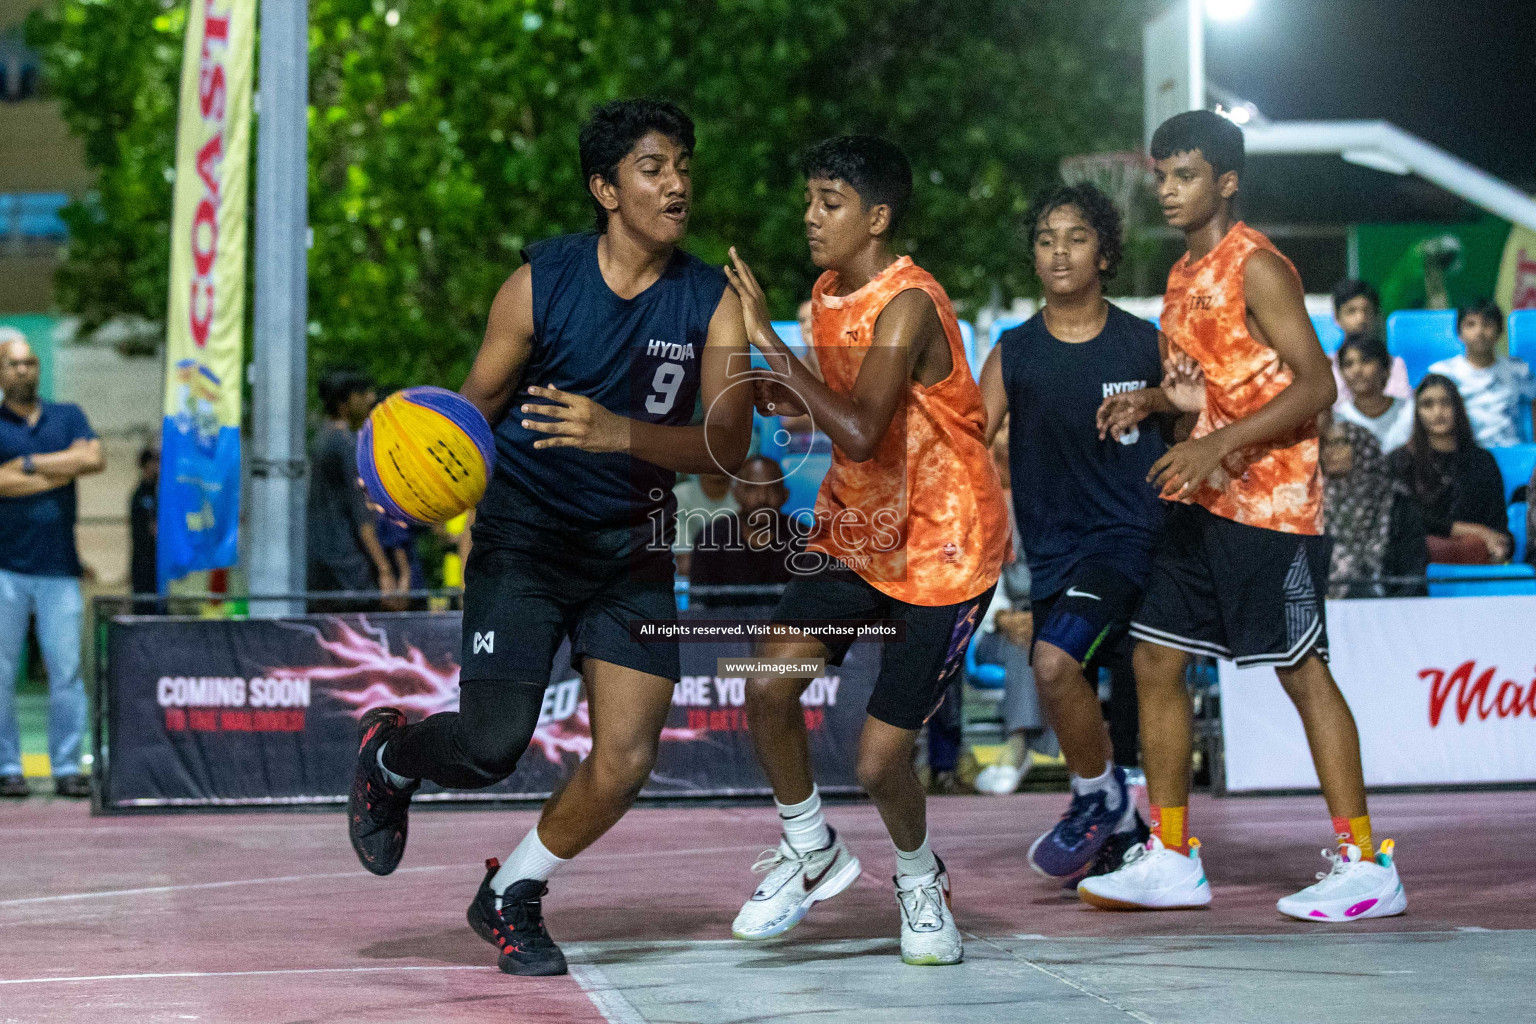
{"points": [[267, 917]]}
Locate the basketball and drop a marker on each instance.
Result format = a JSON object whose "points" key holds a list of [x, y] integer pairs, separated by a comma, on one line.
{"points": [[425, 454]]}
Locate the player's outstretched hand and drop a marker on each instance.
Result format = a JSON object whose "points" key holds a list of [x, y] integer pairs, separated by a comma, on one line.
{"points": [[1121, 413], [1184, 467], [754, 304], [577, 422], [1183, 381]]}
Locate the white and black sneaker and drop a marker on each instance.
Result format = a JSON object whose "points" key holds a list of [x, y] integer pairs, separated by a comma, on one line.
{"points": [[928, 933], [794, 882]]}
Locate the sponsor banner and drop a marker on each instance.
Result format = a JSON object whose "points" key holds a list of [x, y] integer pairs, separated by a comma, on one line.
{"points": [[1516, 288], [200, 438], [217, 712], [1443, 691]]}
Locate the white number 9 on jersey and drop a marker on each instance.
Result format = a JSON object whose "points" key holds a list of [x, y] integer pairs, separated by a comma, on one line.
{"points": [[669, 377]]}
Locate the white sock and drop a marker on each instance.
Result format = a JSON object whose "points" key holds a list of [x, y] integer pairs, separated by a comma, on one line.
{"points": [[531, 859], [804, 825], [1104, 783], [920, 861], [398, 781]]}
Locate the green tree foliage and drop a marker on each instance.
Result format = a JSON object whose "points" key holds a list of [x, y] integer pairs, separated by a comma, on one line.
{"points": [[443, 139]]}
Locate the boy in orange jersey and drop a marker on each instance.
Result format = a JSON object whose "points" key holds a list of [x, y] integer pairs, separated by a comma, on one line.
{"points": [[910, 525], [1242, 568]]}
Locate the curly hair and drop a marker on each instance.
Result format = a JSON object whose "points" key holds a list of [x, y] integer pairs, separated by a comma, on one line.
{"points": [[1097, 209]]}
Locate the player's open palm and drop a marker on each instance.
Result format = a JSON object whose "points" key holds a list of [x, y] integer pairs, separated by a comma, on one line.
{"points": [[574, 421], [1184, 382], [754, 304]]}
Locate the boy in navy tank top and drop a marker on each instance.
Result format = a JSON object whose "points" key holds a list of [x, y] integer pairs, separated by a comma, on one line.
{"points": [[595, 354], [1074, 383]]}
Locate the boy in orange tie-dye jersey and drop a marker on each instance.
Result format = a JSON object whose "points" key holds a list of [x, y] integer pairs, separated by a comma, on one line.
{"points": [[1242, 568], [910, 525]]}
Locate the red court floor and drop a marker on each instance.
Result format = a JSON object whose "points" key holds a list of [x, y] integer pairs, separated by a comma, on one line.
{"points": [[267, 917]]}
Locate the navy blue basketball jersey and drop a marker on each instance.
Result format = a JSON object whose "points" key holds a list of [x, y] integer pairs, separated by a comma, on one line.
{"points": [[1077, 497], [639, 358]]}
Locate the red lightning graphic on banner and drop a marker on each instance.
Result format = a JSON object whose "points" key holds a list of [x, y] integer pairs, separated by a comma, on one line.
{"points": [[369, 676]]}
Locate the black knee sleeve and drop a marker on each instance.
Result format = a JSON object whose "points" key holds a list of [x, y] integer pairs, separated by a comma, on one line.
{"points": [[476, 746]]}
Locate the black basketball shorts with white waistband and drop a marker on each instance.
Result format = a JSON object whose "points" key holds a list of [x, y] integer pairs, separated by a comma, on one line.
{"points": [[1227, 590]]}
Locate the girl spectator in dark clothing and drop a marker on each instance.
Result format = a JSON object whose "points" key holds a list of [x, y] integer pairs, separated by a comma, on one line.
{"points": [[1456, 482], [1376, 524]]}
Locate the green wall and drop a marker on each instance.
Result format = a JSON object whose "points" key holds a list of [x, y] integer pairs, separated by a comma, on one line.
{"points": [[1385, 260]]}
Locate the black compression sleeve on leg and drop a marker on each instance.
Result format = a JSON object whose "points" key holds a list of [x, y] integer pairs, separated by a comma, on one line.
{"points": [[476, 746]]}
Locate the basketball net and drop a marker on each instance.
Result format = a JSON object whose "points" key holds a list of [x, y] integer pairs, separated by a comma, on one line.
{"points": [[1121, 176]]}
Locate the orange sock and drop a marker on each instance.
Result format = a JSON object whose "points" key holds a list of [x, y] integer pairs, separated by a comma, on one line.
{"points": [[1357, 831], [1168, 825]]}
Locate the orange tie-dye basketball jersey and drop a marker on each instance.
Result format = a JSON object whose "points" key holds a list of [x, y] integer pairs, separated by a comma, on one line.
{"points": [[1275, 485], [924, 520]]}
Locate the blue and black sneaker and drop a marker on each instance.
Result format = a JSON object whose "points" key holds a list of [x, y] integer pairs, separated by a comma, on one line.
{"points": [[1089, 822]]}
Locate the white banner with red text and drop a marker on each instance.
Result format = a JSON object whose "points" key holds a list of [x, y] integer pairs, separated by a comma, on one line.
{"points": [[1443, 691]]}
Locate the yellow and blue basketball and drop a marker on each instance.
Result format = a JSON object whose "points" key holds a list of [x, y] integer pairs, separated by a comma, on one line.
{"points": [[425, 455]]}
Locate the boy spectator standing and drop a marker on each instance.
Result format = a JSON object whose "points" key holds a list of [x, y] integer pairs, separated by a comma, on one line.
{"points": [[1491, 385], [344, 550], [44, 446], [1357, 311]]}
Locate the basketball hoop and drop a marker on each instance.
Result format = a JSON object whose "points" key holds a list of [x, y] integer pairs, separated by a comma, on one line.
{"points": [[1121, 176]]}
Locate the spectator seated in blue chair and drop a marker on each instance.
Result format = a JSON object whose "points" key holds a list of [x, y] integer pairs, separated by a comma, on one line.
{"points": [[1366, 404], [1456, 482], [1497, 390], [1376, 524], [1357, 311]]}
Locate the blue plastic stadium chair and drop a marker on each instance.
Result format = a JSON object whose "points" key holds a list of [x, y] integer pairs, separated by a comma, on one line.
{"points": [[1516, 463], [1522, 335], [38, 214], [1001, 324], [983, 675], [968, 342], [7, 214], [1517, 510], [1422, 337], [789, 332], [1480, 580], [1328, 332]]}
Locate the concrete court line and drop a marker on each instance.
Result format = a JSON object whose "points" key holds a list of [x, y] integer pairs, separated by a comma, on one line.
{"points": [[1133, 1014], [607, 997], [233, 974]]}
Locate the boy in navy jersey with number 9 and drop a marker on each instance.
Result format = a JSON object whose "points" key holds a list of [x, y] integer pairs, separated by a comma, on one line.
{"points": [[595, 353]]}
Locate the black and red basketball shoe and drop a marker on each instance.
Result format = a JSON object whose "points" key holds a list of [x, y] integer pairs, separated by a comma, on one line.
{"points": [[376, 809], [516, 926]]}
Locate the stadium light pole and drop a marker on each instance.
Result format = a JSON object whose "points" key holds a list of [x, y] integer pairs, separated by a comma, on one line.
{"points": [[279, 372]]}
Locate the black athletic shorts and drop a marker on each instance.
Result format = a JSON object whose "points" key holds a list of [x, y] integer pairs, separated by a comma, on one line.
{"points": [[1090, 615], [1227, 590], [914, 672], [528, 587]]}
